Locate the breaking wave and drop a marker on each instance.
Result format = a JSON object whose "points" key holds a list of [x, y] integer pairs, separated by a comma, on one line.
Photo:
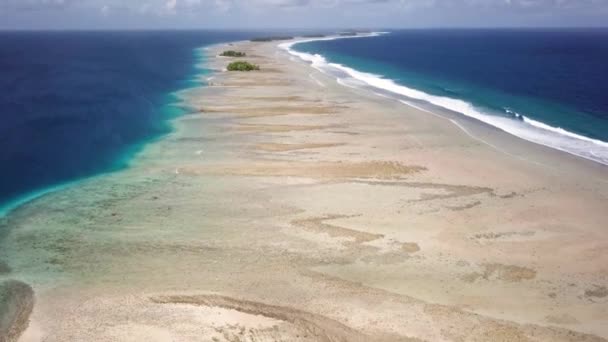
{"points": [[511, 122]]}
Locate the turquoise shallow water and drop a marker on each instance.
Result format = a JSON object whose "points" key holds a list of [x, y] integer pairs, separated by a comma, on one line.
{"points": [[543, 86], [89, 103]]}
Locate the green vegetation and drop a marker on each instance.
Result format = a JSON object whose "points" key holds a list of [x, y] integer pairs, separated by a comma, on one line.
{"points": [[242, 66], [232, 53], [270, 39], [313, 36], [348, 34]]}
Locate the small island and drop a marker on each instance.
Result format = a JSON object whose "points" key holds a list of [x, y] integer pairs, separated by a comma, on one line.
{"points": [[242, 66], [316, 35], [272, 38], [232, 53]]}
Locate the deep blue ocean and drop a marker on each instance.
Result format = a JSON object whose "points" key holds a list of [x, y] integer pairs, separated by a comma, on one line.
{"points": [[546, 86], [74, 104]]}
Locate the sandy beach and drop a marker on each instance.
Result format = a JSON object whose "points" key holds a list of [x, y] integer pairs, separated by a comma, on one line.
{"points": [[287, 207]]}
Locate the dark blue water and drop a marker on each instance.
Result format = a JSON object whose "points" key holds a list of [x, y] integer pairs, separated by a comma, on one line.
{"points": [[554, 79], [73, 104]]}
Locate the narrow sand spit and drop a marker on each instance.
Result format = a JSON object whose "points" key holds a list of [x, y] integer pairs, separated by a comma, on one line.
{"points": [[291, 208], [305, 326], [249, 128], [275, 147], [368, 169], [244, 111]]}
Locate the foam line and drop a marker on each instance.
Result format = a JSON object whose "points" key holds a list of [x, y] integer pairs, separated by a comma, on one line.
{"points": [[518, 125]]}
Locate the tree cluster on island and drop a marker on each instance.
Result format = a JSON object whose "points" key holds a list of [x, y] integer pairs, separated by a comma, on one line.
{"points": [[354, 32], [242, 66], [232, 53], [316, 35]]}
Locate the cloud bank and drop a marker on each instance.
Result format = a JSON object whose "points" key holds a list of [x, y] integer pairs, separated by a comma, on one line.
{"points": [[91, 14]]}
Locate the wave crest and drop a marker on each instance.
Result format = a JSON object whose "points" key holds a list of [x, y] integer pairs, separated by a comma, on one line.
{"points": [[518, 125]]}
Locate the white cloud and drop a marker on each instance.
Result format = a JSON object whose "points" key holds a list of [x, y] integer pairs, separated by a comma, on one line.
{"points": [[170, 5], [319, 13]]}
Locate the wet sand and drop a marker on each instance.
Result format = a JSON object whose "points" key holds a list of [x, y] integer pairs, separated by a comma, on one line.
{"points": [[287, 207]]}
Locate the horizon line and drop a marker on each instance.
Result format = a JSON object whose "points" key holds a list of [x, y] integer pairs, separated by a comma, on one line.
{"points": [[245, 29]]}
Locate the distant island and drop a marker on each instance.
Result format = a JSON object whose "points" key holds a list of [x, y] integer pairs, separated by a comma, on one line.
{"points": [[314, 36], [271, 38], [232, 53], [348, 34], [242, 66]]}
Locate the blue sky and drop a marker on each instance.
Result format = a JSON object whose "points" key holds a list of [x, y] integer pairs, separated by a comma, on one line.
{"points": [[178, 14]]}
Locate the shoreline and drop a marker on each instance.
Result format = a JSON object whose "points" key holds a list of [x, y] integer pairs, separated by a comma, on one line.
{"points": [[283, 209], [525, 128], [121, 162]]}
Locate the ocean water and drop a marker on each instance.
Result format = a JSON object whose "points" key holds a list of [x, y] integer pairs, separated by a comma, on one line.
{"points": [[546, 86], [75, 104]]}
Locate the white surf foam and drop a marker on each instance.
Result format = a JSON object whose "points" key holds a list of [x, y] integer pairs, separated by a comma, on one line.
{"points": [[520, 125]]}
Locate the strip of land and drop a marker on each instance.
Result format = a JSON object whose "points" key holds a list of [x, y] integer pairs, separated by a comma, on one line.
{"points": [[287, 207]]}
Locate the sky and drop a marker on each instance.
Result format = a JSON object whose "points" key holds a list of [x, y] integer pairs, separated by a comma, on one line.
{"points": [[315, 14]]}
